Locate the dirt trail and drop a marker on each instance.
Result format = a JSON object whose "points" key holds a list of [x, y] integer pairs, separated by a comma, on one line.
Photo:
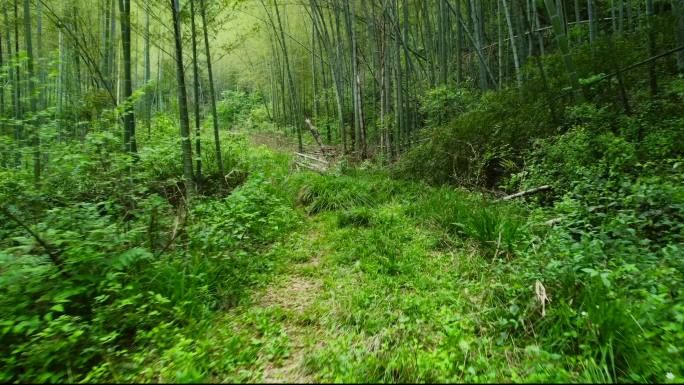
{"points": [[278, 142], [295, 292]]}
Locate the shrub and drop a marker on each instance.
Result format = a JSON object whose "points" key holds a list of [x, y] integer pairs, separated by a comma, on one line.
{"points": [[472, 148], [613, 267]]}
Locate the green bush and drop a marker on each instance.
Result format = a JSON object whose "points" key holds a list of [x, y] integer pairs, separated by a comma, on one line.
{"points": [[124, 246], [613, 265], [477, 142], [243, 108], [62, 324]]}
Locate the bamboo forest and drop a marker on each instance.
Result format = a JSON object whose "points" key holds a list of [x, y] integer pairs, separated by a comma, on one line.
{"points": [[342, 191]]}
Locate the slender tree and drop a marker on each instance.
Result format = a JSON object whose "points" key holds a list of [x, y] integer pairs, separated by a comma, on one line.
{"points": [[147, 108], [678, 6], [196, 93], [18, 111], [186, 145], [128, 114], [650, 33], [2, 86], [562, 40], [212, 93], [591, 20], [511, 34], [35, 132]]}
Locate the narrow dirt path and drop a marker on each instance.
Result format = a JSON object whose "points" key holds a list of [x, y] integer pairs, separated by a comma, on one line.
{"points": [[293, 293], [296, 293]]}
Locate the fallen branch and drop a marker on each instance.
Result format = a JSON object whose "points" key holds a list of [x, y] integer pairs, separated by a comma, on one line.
{"points": [[311, 167], [178, 224], [552, 222], [647, 61], [523, 193], [315, 134], [312, 158], [52, 253]]}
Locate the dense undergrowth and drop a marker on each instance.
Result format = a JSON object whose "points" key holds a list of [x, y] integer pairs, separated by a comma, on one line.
{"points": [[422, 283], [443, 285], [582, 283], [401, 262], [605, 243], [109, 273], [106, 268]]}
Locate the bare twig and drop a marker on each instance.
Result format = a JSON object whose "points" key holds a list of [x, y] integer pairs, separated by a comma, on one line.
{"points": [[526, 192], [179, 222], [552, 222], [540, 292]]}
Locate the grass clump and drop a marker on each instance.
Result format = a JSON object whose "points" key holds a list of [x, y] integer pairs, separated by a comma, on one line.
{"points": [[319, 193], [360, 217], [330, 194], [497, 228]]}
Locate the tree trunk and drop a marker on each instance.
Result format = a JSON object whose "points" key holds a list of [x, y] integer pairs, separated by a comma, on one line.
{"points": [[592, 25], [35, 137], [212, 93], [293, 92], [518, 74], [128, 114], [653, 81], [562, 40], [196, 96], [679, 28], [478, 28], [186, 146], [147, 72], [18, 112], [2, 87]]}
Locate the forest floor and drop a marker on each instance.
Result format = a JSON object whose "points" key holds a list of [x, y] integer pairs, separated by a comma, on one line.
{"points": [[379, 300]]}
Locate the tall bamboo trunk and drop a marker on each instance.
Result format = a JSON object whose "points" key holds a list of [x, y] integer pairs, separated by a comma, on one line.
{"points": [[292, 87], [186, 146], [35, 132], [592, 24], [2, 87], [147, 108], [196, 94], [562, 40], [212, 92], [650, 25], [679, 14], [18, 111], [511, 34], [128, 114]]}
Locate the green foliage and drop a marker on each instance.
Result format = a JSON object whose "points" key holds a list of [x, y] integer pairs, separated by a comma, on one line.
{"points": [[63, 323], [498, 229], [359, 216], [130, 270], [478, 139], [242, 109], [254, 214], [614, 266], [320, 193], [441, 104], [602, 147], [613, 262]]}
